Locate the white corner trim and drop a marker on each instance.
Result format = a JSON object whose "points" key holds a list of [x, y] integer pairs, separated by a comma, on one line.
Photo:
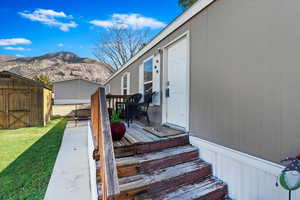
{"points": [[181, 19], [259, 163], [92, 165]]}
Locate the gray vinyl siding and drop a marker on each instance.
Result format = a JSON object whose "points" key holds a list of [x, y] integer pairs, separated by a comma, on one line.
{"points": [[244, 76]]}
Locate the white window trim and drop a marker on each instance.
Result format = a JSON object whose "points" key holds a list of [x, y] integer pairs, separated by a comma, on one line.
{"points": [[147, 82], [155, 84], [128, 83]]}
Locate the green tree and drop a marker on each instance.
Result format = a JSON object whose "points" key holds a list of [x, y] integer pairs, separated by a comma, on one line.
{"points": [[43, 79], [185, 4]]}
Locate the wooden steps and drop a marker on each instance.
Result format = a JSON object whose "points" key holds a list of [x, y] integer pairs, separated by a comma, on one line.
{"points": [[164, 169], [146, 163], [191, 171], [141, 147], [209, 189], [163, 179]]}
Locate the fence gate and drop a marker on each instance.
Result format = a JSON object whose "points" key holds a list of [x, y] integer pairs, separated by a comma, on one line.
{"points": [[15, 108]]}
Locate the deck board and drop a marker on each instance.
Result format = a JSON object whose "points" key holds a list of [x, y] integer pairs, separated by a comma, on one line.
{"points": [[139, 135], [135, 134]]}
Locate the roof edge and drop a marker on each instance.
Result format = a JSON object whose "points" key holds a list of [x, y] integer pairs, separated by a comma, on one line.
{"points": [[82, 79], [176, 23], [27, 79]]}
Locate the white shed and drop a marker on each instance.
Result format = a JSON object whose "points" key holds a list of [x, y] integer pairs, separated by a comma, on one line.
{"points": [[70, 95]]}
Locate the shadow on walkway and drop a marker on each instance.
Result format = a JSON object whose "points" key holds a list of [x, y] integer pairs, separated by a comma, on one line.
{"points": [[27, 177]]}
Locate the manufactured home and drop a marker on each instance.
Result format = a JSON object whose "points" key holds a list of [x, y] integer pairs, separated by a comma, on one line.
{"points": [[227, 72], [23, 102]]}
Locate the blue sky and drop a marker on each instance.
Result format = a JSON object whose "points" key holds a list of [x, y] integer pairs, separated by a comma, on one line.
{"points": [[35, 27]]}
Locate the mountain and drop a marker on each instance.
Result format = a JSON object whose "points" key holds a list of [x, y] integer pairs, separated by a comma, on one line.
{"points": [[5, 58], [58, 66]]}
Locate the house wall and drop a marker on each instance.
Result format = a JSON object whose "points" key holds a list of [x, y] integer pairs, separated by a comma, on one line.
{"points": [[245, 77], [74, 90]]}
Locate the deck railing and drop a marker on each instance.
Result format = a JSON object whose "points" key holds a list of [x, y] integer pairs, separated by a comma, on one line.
{"points": [[104, 151], [112, 99]]}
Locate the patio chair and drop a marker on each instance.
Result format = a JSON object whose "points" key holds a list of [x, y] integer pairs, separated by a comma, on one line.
{"points": [[142, 108], [135, 98], [129, 107]]}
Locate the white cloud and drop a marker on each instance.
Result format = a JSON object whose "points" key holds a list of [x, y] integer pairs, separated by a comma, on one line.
{"points": [[20, 55], [102, 23], [60, 44], [50, 13], [17, 48], [14, 41], [135, 21], [49, 17]]}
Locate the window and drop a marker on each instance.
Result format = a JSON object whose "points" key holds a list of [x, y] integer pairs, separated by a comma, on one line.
{"points": [[125, 84], [148, 78]]}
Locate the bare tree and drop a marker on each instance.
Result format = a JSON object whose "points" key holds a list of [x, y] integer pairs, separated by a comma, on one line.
{"points": [[119, 44], [185, 4]]}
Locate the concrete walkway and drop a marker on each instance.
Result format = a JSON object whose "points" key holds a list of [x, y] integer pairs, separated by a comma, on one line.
{"points": [[70, 177]]}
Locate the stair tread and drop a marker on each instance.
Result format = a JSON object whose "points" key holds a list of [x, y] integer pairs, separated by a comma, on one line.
{"points": [[131, 160], [197, 190], [142, 180]]}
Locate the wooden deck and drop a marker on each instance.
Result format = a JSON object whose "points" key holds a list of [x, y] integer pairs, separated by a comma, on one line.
{"points": [[138, 141], [135, 134]]}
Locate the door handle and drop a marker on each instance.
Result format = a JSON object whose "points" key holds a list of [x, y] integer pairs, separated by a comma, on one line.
{"points": [[168, 92]]}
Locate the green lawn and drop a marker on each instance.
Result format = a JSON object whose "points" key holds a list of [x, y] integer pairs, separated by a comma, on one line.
{"points": [[27, 158]]}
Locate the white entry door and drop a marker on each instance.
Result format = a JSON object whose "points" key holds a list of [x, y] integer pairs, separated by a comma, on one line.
{"points": [[177, 83]]}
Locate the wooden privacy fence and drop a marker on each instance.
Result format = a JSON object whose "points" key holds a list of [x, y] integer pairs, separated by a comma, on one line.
{"points": [[104, 151]]}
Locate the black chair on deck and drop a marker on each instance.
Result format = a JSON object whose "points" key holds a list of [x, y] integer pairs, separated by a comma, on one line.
{"points": [[129, 107], [142, 108]]}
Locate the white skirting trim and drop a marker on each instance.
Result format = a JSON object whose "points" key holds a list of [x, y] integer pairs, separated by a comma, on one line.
{"points": [[248, 177], [92, 163]]}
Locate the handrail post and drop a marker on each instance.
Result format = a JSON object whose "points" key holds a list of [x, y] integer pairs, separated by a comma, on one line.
{"points": [[105, 150]]}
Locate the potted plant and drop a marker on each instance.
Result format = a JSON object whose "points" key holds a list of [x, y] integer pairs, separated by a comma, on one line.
{"points": [[118, 128]]}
